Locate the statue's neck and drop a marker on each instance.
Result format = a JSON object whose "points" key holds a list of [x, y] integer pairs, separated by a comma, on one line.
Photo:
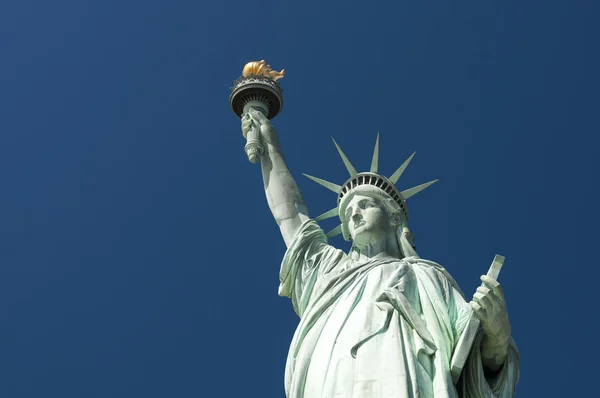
{"points": [[384, 248]]}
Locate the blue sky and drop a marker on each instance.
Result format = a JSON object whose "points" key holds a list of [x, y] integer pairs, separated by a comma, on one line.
{"points": [[138, 257]]}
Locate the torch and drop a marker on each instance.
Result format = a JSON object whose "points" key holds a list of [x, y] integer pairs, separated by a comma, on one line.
{"points": [[257, 89]]}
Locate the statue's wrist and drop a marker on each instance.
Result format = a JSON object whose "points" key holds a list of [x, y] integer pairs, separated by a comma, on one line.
{"points": [[495, 341]]}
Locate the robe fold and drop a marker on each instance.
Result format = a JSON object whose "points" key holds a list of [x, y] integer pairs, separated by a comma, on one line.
{"points": [[381, 328]]}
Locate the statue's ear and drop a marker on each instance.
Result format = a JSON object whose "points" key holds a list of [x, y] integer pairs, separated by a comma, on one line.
{"points": [[396, 219]]}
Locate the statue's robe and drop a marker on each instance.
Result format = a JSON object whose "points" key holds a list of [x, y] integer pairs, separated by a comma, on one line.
{"points": [[381, 328]]}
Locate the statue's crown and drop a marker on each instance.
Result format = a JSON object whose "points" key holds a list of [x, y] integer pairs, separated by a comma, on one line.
{"points": [[370, 181]]}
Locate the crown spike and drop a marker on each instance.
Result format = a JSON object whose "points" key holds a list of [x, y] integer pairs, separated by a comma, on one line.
{"points": [[415, 190], [394, 178], [334, 232], [331, 213], [329, 185], [347, 163], [375, 161]]}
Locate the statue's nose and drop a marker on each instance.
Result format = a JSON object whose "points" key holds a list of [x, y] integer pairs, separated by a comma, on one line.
{"points": [[356, 217]]}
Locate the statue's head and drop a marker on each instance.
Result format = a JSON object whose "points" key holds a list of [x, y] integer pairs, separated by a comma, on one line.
{"points": [[370, 217], [369, 205], [369, 214]]}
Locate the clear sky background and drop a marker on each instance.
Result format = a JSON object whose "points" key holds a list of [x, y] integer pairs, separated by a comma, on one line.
{"points": [[138, 257]]}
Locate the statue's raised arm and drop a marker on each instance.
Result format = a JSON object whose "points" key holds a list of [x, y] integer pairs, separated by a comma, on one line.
{"points": [[284, 197]]}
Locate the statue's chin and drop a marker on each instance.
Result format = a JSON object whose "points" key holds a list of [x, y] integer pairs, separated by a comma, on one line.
{"points": [[364, 238]]}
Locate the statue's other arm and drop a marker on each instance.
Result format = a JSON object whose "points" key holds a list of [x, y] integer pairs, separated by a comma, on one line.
{"points": [[283, 195]]}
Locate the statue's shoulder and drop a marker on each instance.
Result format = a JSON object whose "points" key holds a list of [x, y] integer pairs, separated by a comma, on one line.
{"points": [[434, 268], [421, 262]]}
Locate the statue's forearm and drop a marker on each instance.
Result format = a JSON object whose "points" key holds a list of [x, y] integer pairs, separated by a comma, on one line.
{"points": [[493, 354], [283, 195]]}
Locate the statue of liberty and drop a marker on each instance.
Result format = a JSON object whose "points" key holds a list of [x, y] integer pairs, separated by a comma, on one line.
{"points": [[378, 321]]}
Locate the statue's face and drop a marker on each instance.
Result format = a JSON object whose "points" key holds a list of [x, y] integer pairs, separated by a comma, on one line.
{"points": [[368, 222]]}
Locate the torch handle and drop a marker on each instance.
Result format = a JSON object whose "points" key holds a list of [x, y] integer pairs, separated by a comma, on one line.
{"points": [[254, 148]]}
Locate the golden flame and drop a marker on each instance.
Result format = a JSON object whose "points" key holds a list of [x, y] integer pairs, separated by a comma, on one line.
{"points": [[260, 68]]}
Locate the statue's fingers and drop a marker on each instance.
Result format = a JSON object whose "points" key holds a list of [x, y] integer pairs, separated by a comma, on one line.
{"points": [[258, 115], [483, 300], [488, 293], [494, 285], [246, 126], [489, 281], [246, 119], [483, 289], [479, 311], [249, 115]]}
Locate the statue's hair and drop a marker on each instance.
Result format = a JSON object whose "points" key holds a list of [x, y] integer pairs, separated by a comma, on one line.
{"points": [[404, 237]]}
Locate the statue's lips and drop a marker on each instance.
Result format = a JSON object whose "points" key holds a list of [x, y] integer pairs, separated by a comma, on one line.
{"points": [[359, 224]]}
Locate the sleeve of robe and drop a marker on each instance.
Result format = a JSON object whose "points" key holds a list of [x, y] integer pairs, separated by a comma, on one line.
{"points": [[473, 383], [502, 385], [308, 257]]}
